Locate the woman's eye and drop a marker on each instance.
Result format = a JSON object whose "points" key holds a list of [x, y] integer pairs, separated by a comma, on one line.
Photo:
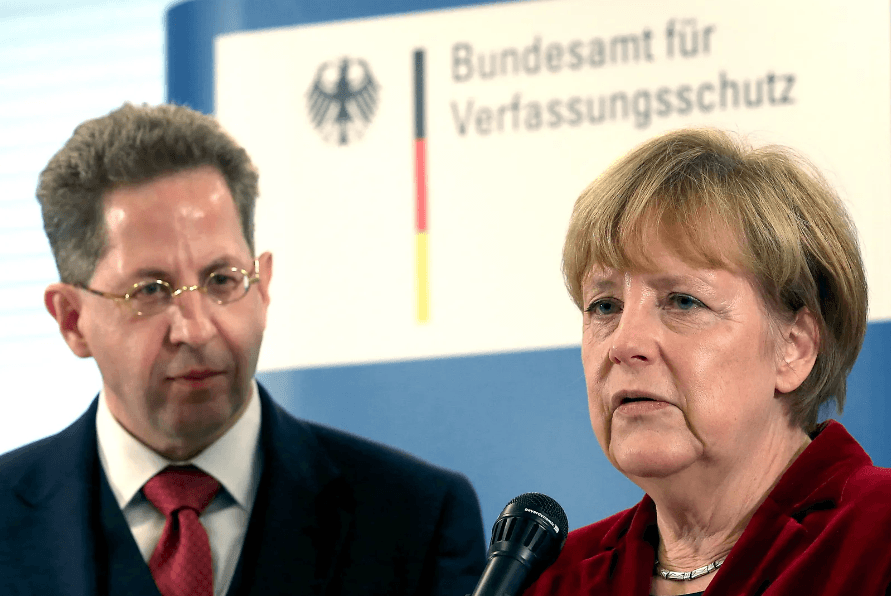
{"points": [[685, 302], [603, 307]]}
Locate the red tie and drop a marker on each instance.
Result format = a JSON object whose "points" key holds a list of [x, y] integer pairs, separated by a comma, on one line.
{"points": [[181, 562]]}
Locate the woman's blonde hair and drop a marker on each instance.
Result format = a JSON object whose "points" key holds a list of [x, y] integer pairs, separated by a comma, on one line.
{"points": [[795, 237]]}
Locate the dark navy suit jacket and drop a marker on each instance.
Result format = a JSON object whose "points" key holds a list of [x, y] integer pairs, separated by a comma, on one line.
{"points": [[334, 514]]}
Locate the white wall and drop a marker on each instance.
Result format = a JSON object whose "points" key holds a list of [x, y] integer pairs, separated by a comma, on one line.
{"points": [[61, 62]]}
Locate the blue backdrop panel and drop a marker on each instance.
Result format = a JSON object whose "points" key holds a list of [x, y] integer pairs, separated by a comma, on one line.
{"points": [[868, 410], [516, 423]]}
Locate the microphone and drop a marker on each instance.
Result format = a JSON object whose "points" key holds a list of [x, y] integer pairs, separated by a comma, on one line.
{"points": [[526, 539]]}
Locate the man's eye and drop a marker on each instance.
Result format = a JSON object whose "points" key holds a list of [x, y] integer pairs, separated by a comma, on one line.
{"points": [[151, 291], [603, 307], [221, 279]]}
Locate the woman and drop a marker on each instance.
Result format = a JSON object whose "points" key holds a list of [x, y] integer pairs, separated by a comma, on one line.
{"points": [[724, 302]]}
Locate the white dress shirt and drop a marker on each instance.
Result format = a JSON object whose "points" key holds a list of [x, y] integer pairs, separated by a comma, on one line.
{"points": [[234, 460]]}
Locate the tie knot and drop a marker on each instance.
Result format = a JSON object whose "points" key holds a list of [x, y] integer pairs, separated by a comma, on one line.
{"points": [[178, 487]]}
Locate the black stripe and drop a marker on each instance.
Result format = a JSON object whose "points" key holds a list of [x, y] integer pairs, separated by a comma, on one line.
{"points": [[419, 94]]}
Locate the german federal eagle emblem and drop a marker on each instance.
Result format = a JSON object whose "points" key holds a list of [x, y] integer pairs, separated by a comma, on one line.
{"points": [[342, 100]]}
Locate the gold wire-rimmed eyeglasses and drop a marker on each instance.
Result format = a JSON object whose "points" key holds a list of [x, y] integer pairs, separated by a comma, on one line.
{"points": [[150, 297]]}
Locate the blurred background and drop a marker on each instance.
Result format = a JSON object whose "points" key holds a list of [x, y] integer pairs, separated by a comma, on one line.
{"points": [[61, 62]]}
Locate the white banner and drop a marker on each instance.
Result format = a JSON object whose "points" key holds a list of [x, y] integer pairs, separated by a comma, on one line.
{"points": [[523, 105]]}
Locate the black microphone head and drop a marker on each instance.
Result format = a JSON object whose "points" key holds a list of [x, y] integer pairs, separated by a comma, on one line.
{"points": [[532, 528], [545, 507]]}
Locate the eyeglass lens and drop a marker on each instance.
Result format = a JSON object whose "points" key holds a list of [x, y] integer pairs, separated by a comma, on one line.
{"points": [[222, 286]]}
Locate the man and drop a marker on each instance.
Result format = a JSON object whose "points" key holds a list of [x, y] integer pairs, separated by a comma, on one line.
{"points": [[183, 476]]}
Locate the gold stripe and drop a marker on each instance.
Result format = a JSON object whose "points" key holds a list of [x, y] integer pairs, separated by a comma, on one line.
{"points": [[421, 271]]}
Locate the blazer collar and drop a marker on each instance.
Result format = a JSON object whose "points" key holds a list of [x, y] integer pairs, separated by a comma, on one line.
{"points": [[777, 532], [814, 481], [628, 552], [820, 472], [291, 447]]}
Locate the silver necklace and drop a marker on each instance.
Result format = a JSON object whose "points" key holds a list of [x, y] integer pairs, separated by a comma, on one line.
{"points": [[681, 576]]}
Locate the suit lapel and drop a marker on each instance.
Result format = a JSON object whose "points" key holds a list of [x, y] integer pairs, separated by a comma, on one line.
{"points": [[301, 516], [59, 514], [120, 566], [300, 522]]}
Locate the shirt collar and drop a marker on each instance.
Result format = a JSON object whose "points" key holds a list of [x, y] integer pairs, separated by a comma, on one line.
{"points": [[233, 459]]}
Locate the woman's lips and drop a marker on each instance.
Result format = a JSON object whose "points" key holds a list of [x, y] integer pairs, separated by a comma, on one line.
{"points": [[634, 396], [637, 402], [637, 406]]}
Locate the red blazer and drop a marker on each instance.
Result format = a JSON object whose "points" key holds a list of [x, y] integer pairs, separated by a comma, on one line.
{"points": [[824, 530]]}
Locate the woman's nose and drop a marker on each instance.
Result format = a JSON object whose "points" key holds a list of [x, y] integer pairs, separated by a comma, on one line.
{"points": [[633, 341]]}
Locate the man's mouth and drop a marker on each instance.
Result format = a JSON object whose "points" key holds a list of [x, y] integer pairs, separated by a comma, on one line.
{"points": [[197, 375]]}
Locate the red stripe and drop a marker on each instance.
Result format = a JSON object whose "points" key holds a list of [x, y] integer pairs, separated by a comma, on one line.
{"points": [[421, 185]]}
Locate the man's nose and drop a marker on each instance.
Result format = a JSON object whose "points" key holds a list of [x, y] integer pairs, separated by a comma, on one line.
{"points": [[192, 322]]}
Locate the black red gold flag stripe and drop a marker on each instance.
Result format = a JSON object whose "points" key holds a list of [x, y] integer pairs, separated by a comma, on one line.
{"points": [[421, 257]]}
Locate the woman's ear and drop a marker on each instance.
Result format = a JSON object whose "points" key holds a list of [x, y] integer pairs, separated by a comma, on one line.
{"points": [[798, 351], [63, 303]]}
